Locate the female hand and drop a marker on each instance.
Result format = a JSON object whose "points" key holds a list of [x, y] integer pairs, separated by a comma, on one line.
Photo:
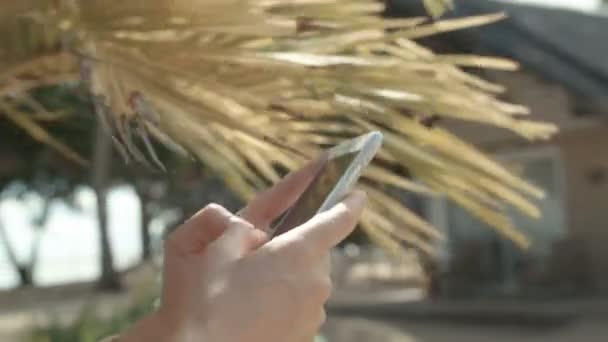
{"points": [[225, 282]]}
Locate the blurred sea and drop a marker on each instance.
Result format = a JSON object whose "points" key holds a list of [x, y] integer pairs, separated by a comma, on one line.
{"points": [[69, 248]]}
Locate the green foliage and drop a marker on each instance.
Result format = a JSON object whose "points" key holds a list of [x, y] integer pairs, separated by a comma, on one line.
{"points": [[90, 327]]}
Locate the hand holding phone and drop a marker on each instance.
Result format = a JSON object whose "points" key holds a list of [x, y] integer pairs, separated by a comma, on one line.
{"points": [[341, 167]]}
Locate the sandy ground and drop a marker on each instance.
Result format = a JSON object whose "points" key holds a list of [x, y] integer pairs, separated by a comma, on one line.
{"points": [[361, 330], [339, 329], [14, 321], [24, 308], [20, 309]]}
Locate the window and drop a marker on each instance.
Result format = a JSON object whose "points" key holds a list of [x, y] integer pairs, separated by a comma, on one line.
{"points": [[540, 166]]}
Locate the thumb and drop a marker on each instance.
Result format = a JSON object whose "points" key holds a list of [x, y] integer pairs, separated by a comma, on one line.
{"points": [[239, 238]]}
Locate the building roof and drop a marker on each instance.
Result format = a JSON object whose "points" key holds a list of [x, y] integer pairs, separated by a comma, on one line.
{"points": [[565, 46]]}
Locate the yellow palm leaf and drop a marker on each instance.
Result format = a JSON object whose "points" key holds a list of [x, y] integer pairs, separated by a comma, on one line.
{"points": [[247, 86]]}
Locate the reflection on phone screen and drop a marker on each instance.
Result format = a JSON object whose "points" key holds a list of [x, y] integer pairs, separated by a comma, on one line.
{"points": [[311, 200]]}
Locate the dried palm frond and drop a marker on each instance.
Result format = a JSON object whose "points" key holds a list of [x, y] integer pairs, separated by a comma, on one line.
{"points": [[247, 86], [437, 8]]}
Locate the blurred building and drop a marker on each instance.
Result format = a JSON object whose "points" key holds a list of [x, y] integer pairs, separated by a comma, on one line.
{"points": [[564, 79]]}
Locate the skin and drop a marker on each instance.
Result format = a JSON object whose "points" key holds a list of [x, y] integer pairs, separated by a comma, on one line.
{"points": [[225, 282]]}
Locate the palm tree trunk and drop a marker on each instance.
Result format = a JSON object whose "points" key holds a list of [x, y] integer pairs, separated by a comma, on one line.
{"points": [[24, 272], [146, 243], [102, 160], [39, 232], [26, 276]]}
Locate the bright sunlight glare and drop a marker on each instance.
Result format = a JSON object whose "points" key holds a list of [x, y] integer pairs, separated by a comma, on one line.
{"points": [[581, 5]]}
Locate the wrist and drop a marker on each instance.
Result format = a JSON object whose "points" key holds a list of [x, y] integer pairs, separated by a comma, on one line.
{"points": [[159, 327]]}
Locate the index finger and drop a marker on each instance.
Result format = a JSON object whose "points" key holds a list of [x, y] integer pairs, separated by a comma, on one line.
{"points": [[271, 203], [329, 228]]}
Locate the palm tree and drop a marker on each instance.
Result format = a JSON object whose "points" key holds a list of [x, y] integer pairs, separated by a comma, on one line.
{"points": [[250, 87], [100, 174]]}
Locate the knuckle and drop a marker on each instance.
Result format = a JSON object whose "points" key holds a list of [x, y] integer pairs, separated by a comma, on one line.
{"points": [[270, 253], [239, 223], [322, 318], [254, 237], [212, 209], [245, 229], [323, 288]]}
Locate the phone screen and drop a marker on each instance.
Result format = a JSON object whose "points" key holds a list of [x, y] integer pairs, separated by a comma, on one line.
{"points": [[311, 200]]}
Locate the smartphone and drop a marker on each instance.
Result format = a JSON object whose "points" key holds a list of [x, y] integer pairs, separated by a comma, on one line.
{"points": [[341, 167]]}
